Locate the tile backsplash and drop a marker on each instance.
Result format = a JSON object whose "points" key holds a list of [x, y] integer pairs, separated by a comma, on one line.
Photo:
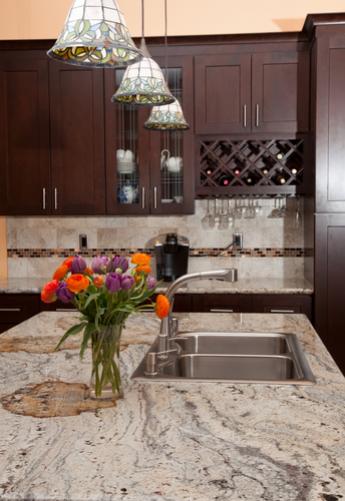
{"points": [[261, 234]]}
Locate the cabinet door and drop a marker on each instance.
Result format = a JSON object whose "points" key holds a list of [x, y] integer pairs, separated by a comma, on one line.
{"points": [[77, 139], [24, 133], [283, 303], [329, 123], [171, 152], [330, 283], [222, 90], [222, 303], [280, 84], [127, 146]]}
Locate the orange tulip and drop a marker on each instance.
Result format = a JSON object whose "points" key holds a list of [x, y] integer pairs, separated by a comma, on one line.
{"points": [[141, 259], [48, 293], [98, 281], [61, 272], [144, 268], [68, 262], [77, 283], [88, 271], [162, 306]]}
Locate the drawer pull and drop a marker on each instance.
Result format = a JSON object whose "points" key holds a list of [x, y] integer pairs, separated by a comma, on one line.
{"points": [[66, 310], [8, 310], [221, 310], [282, 311]]}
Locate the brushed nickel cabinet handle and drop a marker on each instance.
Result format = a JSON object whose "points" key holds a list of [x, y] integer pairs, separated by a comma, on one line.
{"points": [[244, 115], [155, 197], [44, 198], [257, 115], [281, 310], [55, 198], [143, 195], [221, 310], [10, 310]]}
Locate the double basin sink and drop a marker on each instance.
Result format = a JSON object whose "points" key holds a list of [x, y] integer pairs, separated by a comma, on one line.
{"points": [[246, 357]]}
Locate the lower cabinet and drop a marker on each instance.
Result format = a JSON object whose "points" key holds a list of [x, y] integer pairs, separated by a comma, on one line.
{"points": [[330, 283], [253, 303], [15, 308]]}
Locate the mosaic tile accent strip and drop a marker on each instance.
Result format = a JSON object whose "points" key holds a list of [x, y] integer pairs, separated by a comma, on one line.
{"points": [[194, 252]]}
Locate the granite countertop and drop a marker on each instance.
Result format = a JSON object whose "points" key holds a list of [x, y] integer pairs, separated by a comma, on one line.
{"points": [[243, 286], [176, 441]]}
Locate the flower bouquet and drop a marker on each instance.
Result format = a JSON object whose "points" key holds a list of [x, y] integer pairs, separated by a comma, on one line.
{"points": [[105, 293]]}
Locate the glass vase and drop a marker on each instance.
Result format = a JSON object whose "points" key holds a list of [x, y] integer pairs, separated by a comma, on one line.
{"points": [[105, 375]]}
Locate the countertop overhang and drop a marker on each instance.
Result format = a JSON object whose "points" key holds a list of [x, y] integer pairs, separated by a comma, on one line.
{"points": [[183, 441]]}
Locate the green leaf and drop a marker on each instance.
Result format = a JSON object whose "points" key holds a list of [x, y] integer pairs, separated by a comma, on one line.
{"points": [[92, 297], [71, 332], [87, 335]]}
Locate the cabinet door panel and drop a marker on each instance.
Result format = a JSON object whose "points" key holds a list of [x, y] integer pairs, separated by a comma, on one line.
{"points": [[172, 192], [226, 303], [280, 92], [127, 182], [330, 283], [77, 139], [283, 303], [222, 93], [24, 133]]}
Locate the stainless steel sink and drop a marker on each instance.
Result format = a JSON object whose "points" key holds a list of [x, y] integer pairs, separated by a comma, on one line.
{"points": [[247, 357]]}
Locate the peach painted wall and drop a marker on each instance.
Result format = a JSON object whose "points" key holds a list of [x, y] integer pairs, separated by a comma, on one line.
{"points": [[43, 18]]}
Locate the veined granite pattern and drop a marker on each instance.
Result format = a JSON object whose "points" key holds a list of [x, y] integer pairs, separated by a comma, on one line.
{"points": [[181, 441], [243, 286]]}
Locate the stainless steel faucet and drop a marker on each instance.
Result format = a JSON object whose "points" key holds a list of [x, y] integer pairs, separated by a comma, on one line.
{"points": [[169, 325]]}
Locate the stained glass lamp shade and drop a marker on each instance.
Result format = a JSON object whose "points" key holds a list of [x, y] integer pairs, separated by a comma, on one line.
{"points": [[95, 34], [144, 83], [169, 117]]}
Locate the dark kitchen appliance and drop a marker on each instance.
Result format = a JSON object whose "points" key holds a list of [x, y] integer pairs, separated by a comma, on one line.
{"points": [[171, 251]]}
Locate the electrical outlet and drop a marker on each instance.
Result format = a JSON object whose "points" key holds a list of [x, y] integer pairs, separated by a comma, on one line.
{"points": [[82, 241], [238, 240]]}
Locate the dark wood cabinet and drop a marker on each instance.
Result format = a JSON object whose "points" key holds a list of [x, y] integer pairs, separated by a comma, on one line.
{"points": [[77, 140], [329, 119], [330, 283], [24, 133], [283, 303], [280, 83], [252, 93], [222, 93], [15, 308], [138, 178]]}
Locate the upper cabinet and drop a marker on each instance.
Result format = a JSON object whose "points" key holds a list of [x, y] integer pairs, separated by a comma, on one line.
{"points": [[328, 111], [252, 93], [148, 171], [222, 93], [77, 139], [24, 133]]}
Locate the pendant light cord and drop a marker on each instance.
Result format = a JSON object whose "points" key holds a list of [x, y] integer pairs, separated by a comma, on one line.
{"points": [[142, 18], [166, 38]]}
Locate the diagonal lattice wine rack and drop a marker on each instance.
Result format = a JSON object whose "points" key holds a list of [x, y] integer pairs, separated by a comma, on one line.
{"points": [[262, 167]]}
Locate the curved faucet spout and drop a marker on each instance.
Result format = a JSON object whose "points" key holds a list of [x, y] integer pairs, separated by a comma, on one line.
{"points": [[167, 325]]}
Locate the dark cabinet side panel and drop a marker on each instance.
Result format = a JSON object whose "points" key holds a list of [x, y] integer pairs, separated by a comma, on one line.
{"points": [[330, 284], [77, 140], [24, 133]]}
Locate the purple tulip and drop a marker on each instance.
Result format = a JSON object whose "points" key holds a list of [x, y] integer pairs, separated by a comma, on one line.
{"points": [[99, 264], [62, 293], [78, 265], [119, 264], [127, 282], [151, 283], [113, 282]]}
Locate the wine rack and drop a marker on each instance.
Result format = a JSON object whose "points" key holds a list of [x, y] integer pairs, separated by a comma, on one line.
{"points": [[243, 167]]}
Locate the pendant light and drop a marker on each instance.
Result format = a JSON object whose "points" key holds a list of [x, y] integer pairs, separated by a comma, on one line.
{"points": [[143, 82], [95, 34], [168, 117]]}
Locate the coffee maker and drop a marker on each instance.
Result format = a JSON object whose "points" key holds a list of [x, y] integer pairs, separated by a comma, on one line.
{"points": [[171, 251]]}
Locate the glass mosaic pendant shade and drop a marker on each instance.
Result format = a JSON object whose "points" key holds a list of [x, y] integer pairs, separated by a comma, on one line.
{"points": [[144, 83], [169, 117], [95, 34]]}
